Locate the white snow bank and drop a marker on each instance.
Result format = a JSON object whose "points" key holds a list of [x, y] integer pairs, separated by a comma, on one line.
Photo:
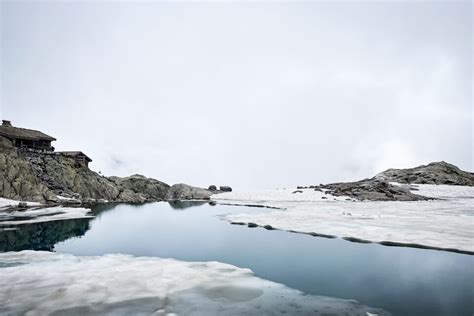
{"points": [[4, 203], [443, 191], [278, 195], [38, 215], [44, 283], [447, 223]]}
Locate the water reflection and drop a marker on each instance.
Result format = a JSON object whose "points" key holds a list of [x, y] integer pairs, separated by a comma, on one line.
{"points": [[44, 235], [181, 205], [41, 236]]}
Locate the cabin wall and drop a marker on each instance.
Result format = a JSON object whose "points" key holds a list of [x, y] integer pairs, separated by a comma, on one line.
{"points": [[39, 145]]}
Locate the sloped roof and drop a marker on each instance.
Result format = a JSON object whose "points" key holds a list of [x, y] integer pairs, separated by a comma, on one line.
{"points": [[74, 154], [23, 133]]}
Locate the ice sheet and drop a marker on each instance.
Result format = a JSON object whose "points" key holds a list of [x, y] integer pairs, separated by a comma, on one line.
{"points": [[37, 215], [446, 223], [278, 196], [7, 203], [43, 283]]}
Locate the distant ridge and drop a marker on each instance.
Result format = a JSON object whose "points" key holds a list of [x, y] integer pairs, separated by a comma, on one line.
{"points": [[380, 188], [432, 173]]}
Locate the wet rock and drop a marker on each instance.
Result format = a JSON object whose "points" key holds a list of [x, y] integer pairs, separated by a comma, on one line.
{"points": [[212, 188], [268, 227], [252, 225], [22, 205], [297, 191]]}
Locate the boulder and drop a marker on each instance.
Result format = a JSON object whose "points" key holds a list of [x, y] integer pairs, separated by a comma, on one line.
{"points": [[212, 188], [149, 189], [224, 188], [186, 192], [22, 205]]}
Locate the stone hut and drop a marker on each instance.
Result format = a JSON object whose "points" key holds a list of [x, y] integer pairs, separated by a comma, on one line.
{"points": [[79, 156], [26, 138]]}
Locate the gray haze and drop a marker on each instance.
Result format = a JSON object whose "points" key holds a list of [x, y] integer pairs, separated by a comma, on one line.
{"points": [[254, 95]]}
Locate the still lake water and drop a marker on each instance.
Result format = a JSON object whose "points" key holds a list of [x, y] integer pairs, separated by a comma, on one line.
{"points": [[404, 281]]}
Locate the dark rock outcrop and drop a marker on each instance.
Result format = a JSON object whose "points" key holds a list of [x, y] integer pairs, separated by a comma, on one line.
{"points": [[373, 190], [225, 188], [379, 188], [433, 173]]}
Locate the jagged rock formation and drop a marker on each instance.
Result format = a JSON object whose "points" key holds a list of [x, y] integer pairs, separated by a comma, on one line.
{"points": [[379, 188], [42, 177], [433, 173], [18, 180], [186, 192]]}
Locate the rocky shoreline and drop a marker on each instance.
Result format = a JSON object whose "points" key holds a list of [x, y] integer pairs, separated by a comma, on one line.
{"points": [[53, 179]]}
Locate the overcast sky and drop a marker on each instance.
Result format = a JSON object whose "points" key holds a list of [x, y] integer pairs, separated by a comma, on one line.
{"points": [[252, 95]]}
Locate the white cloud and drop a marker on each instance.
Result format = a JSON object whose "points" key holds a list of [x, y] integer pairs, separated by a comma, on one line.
{"points": [[246, 94]]}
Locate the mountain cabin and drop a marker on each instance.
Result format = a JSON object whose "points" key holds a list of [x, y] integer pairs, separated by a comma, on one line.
{"points": [[30, 139]]}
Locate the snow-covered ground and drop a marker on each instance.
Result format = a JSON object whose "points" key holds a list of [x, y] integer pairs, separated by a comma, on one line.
{"points": [[39, 283], [37, 215], [277, 196], [445, 223]]}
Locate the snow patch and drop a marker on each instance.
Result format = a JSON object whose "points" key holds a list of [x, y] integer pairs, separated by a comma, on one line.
{"points": [[278, 195], [44, 283], [443, 191]]}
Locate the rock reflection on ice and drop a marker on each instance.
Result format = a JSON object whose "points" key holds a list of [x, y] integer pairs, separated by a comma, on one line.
{"points": [[51, 283]]}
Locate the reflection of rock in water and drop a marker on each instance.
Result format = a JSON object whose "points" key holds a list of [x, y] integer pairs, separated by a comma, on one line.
{"points": [[181, 205], [42, 236], [101, 208]]}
